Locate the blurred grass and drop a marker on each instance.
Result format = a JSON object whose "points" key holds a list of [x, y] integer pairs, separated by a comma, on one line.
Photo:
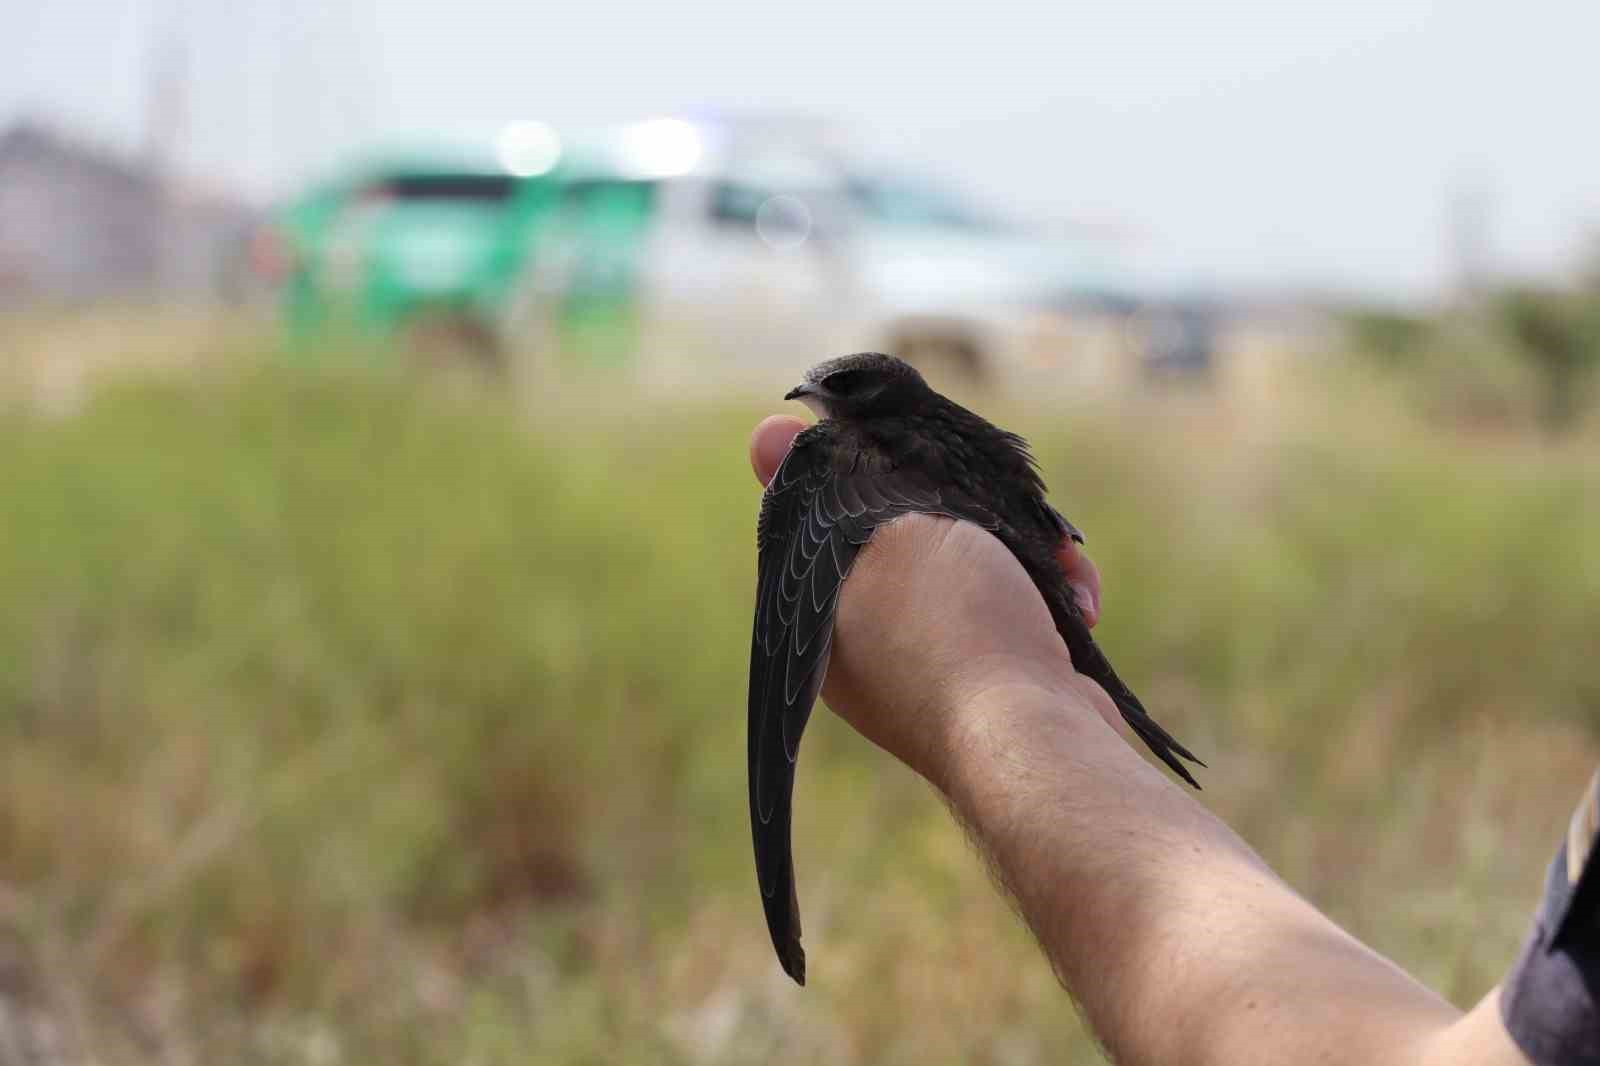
{"points": [[341, 721]]}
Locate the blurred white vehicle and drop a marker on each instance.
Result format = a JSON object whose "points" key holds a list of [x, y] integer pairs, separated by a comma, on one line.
{"points": [[761, 243]]}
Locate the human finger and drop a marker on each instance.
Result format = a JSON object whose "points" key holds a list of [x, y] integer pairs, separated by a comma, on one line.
{"points": [[770, 443]]}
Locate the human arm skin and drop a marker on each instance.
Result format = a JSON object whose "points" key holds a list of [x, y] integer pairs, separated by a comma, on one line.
{"points": [[1180, 945]]}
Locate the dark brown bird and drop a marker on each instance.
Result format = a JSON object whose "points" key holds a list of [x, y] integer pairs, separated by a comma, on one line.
{"points": [[886, 445]]}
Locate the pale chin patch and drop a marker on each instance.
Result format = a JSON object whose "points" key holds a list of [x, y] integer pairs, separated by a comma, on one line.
{"points": [[818, 405]]}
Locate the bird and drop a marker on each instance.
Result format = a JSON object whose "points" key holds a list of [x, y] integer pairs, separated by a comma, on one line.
{"points": [[885, 445]]}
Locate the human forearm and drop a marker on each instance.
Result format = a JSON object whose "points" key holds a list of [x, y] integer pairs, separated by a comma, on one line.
{"points": [[1176, 939]]}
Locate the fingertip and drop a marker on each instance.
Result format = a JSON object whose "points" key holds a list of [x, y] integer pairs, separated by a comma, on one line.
{"points": [[1086, 605], [769, 443], [1084, 577]]}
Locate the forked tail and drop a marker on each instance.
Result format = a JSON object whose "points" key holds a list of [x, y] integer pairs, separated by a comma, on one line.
{"points": [[1090, 661]]}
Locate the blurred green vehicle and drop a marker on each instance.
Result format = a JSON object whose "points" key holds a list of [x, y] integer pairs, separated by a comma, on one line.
{"points": [[423, 247], [662, 244]]}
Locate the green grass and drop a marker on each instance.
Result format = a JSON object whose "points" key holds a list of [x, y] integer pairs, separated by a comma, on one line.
{"points": [[342, 722]]}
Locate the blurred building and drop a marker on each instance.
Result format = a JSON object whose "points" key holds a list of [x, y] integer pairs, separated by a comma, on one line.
{"points": [[80, 223]]}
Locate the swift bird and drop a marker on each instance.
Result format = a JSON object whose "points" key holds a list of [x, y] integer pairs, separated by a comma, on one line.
{"points": [[885, 445]]}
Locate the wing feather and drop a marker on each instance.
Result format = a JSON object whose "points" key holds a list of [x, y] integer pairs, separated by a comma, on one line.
{"points": [[815, 516]]}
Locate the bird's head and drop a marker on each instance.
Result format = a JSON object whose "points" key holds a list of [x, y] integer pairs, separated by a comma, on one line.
{"points": [[859, 386]]}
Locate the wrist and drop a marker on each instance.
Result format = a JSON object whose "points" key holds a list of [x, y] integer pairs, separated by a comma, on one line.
{"points": [[992, 707]]}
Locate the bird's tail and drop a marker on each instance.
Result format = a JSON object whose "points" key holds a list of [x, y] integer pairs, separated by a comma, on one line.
{"points": [[1090, 661]]}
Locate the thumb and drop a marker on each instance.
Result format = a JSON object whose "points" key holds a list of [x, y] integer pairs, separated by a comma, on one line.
{"points": [[770, 443]]}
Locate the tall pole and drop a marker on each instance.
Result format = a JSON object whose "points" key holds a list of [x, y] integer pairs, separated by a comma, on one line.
{"points": [[166, 114]]}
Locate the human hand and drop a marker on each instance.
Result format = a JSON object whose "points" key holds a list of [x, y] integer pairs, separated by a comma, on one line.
{"points": [[936, 615]]}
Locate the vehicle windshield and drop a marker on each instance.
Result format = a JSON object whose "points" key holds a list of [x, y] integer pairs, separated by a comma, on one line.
{"points": [[916, 203], [483, 188]]}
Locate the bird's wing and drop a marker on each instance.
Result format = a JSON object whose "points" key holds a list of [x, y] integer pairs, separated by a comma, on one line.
{"points": [[1058, 520], [815, 517]]}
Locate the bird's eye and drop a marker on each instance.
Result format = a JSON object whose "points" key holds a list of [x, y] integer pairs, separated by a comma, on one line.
{"points": [[844, 382]]}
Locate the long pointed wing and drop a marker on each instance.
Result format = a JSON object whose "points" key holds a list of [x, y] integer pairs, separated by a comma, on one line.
{"points": [[815, 516]]}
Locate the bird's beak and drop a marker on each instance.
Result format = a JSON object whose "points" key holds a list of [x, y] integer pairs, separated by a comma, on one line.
{"points": [[800, 392]]}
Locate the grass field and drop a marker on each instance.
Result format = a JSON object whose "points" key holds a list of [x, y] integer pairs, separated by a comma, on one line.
{"points": [[345, 723]]}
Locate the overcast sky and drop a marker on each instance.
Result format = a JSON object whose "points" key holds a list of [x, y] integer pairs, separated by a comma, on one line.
{"points": [[1257, 142]]}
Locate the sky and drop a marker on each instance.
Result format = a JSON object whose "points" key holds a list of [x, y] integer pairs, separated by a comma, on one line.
{"points": [[1258, 144]]}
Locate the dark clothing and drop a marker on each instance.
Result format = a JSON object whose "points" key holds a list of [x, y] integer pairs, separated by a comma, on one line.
{"points": [[1550, 1002]]}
